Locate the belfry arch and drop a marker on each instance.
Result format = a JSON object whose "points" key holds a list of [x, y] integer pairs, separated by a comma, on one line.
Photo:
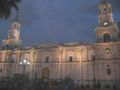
{"points": [[106, 37]]}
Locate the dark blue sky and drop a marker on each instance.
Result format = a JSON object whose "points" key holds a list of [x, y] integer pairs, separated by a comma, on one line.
{"points": [[58, 20]]}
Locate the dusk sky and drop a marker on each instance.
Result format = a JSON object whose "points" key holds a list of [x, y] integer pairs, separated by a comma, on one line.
{"points": [[58, 20]]}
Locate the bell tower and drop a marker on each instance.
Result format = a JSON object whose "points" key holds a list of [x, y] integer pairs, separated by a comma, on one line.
{"points": [[13, 39], [105, 13], [107, 45], [107, 30]]}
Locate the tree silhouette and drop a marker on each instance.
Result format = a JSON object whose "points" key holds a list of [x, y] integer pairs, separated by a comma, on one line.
{"points": [[6, 7]]}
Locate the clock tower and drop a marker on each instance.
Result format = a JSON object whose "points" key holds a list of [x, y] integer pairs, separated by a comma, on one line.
{"points": [[107, 45], [107, 31]]}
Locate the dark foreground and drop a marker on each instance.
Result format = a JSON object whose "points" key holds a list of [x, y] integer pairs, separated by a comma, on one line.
{"points": [[24, 83]]}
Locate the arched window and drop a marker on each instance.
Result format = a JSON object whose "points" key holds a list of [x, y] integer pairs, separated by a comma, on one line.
{"points": [[110, 10], [70, 58], [106, 37], [119, 36], [7, 46], [46, 59], [108, 71], [93, 57]]}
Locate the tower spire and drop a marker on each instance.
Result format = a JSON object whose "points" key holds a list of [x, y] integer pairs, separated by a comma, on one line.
{"points": [[13, 39], [106, 25], [105, 13]]}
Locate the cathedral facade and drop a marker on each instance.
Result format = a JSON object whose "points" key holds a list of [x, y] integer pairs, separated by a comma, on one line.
{"points": [[85, 63]]}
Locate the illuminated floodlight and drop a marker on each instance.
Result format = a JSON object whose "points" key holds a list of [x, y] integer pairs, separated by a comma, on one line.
{"points": [[28, 63], [105, 23], [24, 61], [21, 63]]}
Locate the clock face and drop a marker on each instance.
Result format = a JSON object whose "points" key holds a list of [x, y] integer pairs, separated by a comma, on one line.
{"points": [[107, 50]]}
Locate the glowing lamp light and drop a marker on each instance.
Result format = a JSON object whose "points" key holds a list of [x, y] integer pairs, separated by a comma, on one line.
{"points": [[28, 62], [20, 62], [107, 50], [105, 23], [24, 61]]}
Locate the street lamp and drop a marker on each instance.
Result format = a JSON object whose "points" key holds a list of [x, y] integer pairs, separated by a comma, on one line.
{"points": [[24, 63]]}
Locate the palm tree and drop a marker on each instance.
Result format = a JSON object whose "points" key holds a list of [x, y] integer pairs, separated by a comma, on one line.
{"points": [[6, 7]]}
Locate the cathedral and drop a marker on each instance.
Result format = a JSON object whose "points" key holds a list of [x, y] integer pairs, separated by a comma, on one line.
{"points": [[85, 63]]}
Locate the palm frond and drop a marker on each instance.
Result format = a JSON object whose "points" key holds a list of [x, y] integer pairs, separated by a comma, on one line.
{"points": [[6, 6]]}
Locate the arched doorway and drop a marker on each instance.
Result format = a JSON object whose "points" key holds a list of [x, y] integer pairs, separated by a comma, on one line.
{"points": [[46, 73]]}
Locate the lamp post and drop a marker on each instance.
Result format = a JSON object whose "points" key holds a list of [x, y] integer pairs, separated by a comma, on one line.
{"points": [[24, 63]]}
